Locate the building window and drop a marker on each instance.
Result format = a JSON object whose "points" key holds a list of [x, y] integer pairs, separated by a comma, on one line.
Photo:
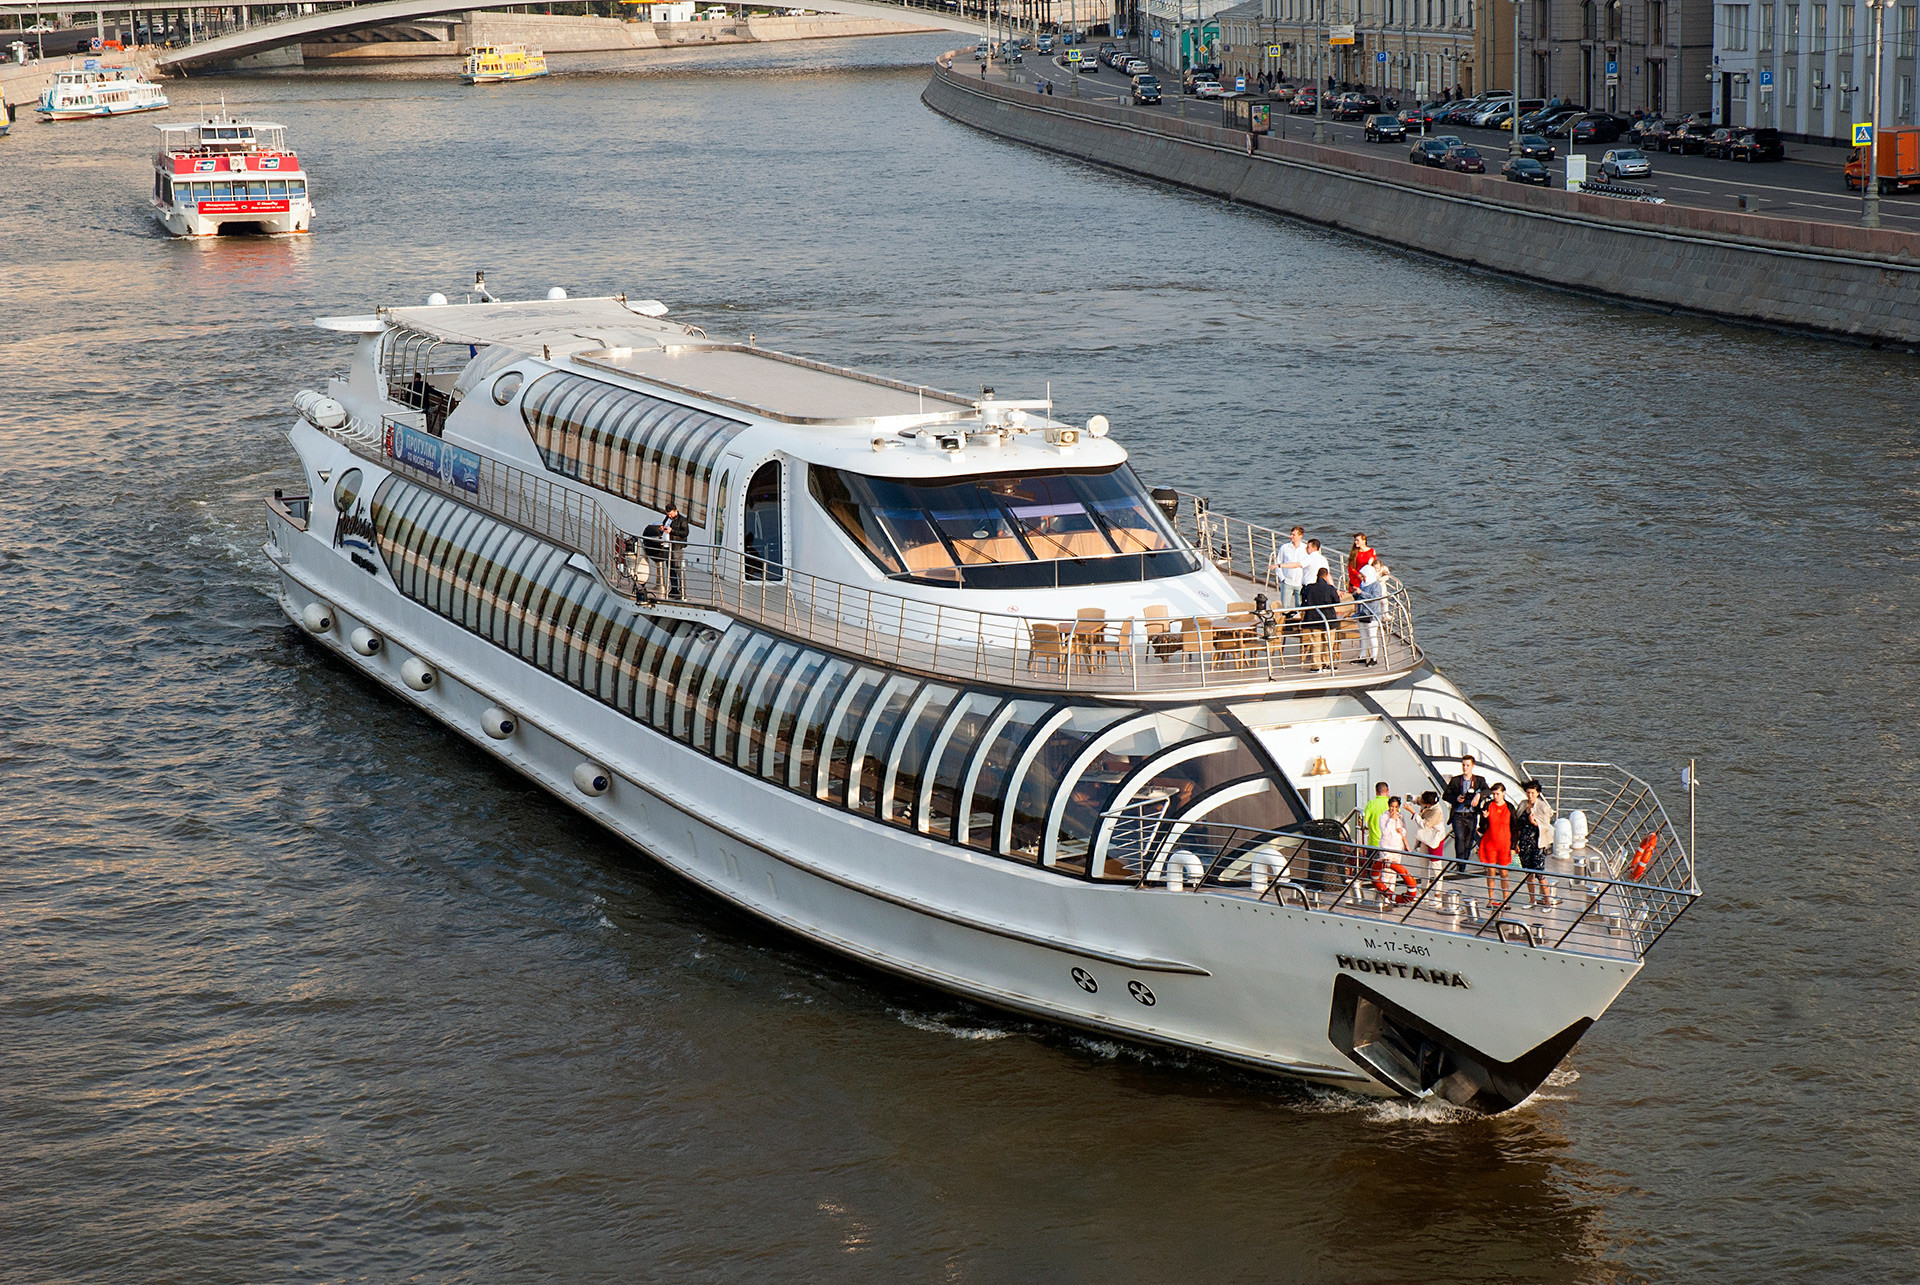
{"points": [[1740, 89], [1766, 28], [1790, 29], [1816, 95], [1905, 47], [1789, 86], [1735, 24], [1656, 23], [1905, 107], [1817, 30], [1613, 20], [1846, 29], [1587, 27]]}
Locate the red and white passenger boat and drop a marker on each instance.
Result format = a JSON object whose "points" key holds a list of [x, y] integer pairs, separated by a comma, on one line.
{"points": [[228, 173]]}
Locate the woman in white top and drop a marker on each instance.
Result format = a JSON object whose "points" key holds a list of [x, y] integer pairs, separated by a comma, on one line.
{"points": [[1393, 839], [1372, 610]]}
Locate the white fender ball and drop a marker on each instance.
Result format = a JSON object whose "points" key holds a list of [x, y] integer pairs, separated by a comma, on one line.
{"points": [[417, 674], [592, 779], [318, 617], [498, 723], [365, 641]]}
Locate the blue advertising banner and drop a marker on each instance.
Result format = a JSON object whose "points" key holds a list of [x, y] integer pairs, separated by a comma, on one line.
{"points": [[429, 454]]}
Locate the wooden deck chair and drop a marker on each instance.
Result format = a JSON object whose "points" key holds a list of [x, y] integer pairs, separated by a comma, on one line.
{"points": [[1046, 644]]}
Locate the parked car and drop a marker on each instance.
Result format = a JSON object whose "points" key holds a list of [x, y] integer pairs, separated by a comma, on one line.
{"points": [[980, 51], [1691, 136], [1428, 151], [1106, 47], [1381, 129], [1524, 169], [1488, 111], [1450, 140], [1537, 148], [1625, 162], [1758, 145], [1458, 114], [1717, 144], [1146, 89], [1596, 129], [1464, 160], [1502, 118], [1207, 89], [1137, 67]]}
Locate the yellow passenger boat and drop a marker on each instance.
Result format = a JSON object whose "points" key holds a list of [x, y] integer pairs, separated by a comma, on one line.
{"points": [[491, 64]]}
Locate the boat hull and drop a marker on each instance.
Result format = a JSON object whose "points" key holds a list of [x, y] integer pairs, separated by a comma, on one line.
{"points": [[50, 115], [186, 221], [1251, 983], [500, 78]]}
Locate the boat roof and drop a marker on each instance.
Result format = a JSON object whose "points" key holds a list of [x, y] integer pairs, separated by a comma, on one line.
{"points": [[777, 385]]}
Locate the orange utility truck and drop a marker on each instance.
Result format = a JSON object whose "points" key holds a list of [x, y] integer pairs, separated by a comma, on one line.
{"points": [[1897, 163]]}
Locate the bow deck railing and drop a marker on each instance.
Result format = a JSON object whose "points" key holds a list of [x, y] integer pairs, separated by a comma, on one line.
{"points": [[1599, 905], [1247, 647]]}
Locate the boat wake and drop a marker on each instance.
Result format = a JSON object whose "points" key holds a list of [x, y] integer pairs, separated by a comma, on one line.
{"points": [[946, 1024]]}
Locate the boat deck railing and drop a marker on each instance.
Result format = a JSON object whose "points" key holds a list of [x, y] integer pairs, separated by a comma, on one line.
{"points": [[1250, 647], [1587, 899]]}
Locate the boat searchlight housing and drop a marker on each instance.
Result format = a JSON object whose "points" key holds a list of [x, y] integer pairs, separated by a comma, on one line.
{"points": [[1098, 426], [436, 300]]}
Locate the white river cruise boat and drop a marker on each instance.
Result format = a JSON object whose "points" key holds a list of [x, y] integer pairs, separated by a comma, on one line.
{"points": [[228, 173], [106, 91], [935, 682]]}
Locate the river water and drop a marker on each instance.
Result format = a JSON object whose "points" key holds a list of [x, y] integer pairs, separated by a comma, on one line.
{"points": [[299, 985]]}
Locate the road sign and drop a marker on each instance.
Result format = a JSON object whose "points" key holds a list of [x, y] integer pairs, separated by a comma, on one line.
{"points": [[1380, 56], [1073, 55], [1156, 33], [1863, 135], [1273, 51], [1613, 72], [1239, 84], [1766, 82], [1340, 35]]}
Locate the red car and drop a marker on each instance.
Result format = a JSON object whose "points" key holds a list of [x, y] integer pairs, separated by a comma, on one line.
{"points": [[1465, 160]]}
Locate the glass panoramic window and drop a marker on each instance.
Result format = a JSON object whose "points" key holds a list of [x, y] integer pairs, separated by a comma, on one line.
{"points": [[785, 712], [849, 716], [900, 789], [1106, 763], [753, 719], [651, 451], [984, 789], [940, 801], [1046, 765], [1008, 531], [811, 724], [876, 742]]}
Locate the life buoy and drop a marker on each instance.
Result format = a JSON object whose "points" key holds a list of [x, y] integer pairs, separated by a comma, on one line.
{"points": [[1643, 856]]}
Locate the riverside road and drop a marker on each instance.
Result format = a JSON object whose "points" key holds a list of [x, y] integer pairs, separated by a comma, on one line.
{"points": [[1807, 185]]}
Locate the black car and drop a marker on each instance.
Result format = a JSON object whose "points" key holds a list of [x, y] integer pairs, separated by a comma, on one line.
{"points": [[1596, 129], [1536, 148], [1717, 144], [1429, 151], [1146, 89], [1690, 137], [1524, 169], [1380, 129], [1758, 145]]}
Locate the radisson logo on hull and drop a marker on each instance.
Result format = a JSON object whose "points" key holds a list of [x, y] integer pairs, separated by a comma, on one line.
{"points": [[1413, 972]]}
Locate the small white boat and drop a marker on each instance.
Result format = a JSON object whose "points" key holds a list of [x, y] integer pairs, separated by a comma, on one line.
{"points": [[496, 64], [105, 91], [226, 171]]}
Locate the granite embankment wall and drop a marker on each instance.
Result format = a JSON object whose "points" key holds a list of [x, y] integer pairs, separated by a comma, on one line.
{"points": [[1851, 282]]}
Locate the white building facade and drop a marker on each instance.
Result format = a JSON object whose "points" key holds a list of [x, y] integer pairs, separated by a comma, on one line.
{"points": [[1807, 69]]}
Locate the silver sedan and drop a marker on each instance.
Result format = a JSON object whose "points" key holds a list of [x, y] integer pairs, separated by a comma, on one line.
{"points": [[1625, 162]]}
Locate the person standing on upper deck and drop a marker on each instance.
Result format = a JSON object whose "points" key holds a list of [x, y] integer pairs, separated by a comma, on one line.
{"points": [[1363, 553], [1496, 843], [1314, 564], [1375, 809], [1288, 569], [676, 532], [1320, 600], [1466, 794]]}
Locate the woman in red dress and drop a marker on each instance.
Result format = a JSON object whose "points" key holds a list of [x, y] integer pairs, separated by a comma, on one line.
{"points": [[1496, 844]]}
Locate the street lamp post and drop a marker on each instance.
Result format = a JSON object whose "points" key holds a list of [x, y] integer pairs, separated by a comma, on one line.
{"points": [[1870, 171], [1319, 91], [1513, 147]]}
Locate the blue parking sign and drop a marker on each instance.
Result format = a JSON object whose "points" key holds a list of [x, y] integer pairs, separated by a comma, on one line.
{"points": [[1613, 68], [1766, 79], [1156, 33], [1381, 56]]}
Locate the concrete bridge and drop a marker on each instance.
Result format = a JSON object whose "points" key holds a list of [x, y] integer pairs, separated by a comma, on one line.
{"points": [[952, 15]]}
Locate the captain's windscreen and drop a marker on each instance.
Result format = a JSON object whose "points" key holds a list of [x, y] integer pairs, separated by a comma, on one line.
{"points": [[1007, 531]]}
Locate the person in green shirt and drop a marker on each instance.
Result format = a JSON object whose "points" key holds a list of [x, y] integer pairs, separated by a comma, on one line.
{"points": [[1375, 809]]}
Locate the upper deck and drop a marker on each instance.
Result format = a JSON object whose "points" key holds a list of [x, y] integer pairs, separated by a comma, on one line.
{"points": [[224, 145], [929, 616]]}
